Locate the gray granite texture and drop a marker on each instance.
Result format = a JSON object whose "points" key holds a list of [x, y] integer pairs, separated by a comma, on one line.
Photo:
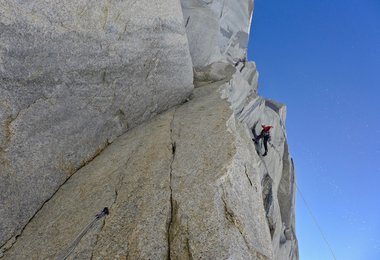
{"points": [[217, 30], [74, 75], [276, 170], [188, 184]]}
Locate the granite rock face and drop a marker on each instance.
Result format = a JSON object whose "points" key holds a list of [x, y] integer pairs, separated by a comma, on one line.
{"points": [[217, 30], [276, 170], [74, 75], [189, 184]]}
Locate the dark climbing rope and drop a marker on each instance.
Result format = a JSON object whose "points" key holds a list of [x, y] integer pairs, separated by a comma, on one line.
{"points": [[66, 253]]}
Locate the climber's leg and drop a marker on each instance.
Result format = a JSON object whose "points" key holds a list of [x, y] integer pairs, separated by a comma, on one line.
{"points": [[257, 138], [266, 138]]}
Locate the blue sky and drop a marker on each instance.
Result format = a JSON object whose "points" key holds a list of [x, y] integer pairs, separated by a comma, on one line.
{"points": [[322, 59]]}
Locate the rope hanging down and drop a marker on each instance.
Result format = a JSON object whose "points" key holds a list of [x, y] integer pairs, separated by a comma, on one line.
{"points": [[65, 253], [316, 223]]}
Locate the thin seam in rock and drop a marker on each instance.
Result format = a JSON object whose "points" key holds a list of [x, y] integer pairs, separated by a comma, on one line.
{"points": [[235, 222], [43, 98], [4, 249], [173, 146], [246, 174]]}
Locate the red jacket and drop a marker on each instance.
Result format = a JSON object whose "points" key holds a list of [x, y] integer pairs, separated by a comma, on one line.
{"points": [[266, 128]]}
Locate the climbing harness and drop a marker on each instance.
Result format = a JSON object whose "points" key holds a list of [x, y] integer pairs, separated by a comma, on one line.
{"points": [[66, 252]]}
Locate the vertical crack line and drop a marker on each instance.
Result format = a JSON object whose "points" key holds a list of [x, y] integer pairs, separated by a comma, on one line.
{"points": [[171, 217], [222, 10], [122, 177], [173, 150], [187, 21], [234, 220], [246, 174], [106, 11]]}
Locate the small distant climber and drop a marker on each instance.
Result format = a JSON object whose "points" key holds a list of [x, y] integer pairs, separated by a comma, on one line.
{"points": [[265, 134]]}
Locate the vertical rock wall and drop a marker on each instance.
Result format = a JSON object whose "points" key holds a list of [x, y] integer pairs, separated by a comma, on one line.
{"points": [[276, 170], [215, 50], [74, 75], [187, 184], [217, 30]]}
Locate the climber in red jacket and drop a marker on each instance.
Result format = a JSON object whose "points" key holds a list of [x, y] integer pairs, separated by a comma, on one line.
{"points": [[265, 134]]}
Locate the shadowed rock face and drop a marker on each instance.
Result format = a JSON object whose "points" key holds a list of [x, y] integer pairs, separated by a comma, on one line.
{"points": [[225, 38], [73, 77]]}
